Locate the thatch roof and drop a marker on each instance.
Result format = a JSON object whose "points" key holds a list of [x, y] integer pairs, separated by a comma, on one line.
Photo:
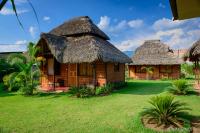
{"points": [[154, 52], [82, 48], [79, 25], [194, 52]]}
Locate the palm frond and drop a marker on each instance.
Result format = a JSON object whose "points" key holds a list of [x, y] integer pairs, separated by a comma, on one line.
{"points": [[2, 4]]}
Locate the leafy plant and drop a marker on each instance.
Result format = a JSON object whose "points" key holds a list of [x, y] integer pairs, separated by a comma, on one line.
{"points": [[81, 92], [149, 71], [3, 3], [27, 76], [187, 70], [104, 90], [165, 111], [180, 87]]}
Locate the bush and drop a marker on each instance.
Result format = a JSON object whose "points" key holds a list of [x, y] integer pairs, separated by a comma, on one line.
{"points": [[104, 90], [81, 92], [9, 83], [165, 111], [187, 71], [180, 87], [1, 87]]}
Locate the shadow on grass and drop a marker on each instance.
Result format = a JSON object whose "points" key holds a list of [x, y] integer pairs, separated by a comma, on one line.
{"points": [[145, 88], [50, 94], [6, 94]]}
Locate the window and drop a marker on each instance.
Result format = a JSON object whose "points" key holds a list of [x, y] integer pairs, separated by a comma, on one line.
{"points": [[50, 66], [139, 69], [116, 67], [165, 69], [85, 69]]}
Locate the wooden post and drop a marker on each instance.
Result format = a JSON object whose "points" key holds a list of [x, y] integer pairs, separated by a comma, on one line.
{"points": [[106, 72]]}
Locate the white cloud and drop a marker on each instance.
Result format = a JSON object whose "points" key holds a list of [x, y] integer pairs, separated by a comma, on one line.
{"points": [[165, 23], [46, 18], [19, 42], [135, 23], [9, 11], [161, 5], [177, 37], [32, 31], [104, 22]]}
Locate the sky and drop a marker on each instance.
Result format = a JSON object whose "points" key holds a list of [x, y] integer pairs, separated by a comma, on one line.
{"points": [[128, 23]]}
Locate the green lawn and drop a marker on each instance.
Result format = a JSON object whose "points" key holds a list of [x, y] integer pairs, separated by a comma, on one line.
{"points": [[59, 113]]}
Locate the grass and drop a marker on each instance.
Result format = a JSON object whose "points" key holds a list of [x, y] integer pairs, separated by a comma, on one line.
{"points": [[57, 113]]}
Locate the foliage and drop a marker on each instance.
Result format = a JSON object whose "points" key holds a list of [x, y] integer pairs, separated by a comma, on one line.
{"points": [[180, 87], [166, 111], [187, 70], [6, 68], [84, 91], [3, 3], [149, 71], [104, 90], [1, 87], [26, 78], [81, 92]]}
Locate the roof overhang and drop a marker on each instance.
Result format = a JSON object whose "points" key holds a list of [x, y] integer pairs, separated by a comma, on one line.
{"points": [[185, 9]]}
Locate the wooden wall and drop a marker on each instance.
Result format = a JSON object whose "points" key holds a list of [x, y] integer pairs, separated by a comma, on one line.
{"points": [[69, 75], [157, 74]]}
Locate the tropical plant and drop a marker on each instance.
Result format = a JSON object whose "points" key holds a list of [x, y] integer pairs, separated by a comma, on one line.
{"points": [[26, 79], [187, 70], [81, 92], [180, 87], [148, 70], [104, 90], [165, 111]]}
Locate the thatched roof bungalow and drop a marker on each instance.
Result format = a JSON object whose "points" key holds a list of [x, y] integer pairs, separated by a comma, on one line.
{"points": [[158, 58], [193, 53], [79, 53]]}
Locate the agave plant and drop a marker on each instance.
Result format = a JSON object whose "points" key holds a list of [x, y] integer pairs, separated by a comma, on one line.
{"points": [[180, 87], [166, 111]]}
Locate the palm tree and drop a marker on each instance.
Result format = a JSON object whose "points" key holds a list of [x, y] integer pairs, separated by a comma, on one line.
{"points": [[27, 76], [148, 70], [3, 3]]}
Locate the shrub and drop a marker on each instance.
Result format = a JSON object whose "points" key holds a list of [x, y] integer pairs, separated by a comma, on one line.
{"points": [[180, 87], [165, 111], [104, 90], [81, 92], [187, 71], [1, 87]]}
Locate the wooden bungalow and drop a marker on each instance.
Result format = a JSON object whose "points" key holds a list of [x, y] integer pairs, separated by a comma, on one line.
{"points": [[157, 56], [193, 55], [78, 53]]}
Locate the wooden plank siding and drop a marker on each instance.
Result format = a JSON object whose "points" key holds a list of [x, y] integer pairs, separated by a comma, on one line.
{"points": [[158, 72], [103, 72]]}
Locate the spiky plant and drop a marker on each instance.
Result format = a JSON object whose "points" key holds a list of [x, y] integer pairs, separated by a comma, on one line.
{"points": [[165, 111], [180, 87]]}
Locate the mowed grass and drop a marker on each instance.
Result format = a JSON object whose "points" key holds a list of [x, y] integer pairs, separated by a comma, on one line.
{"points": [[59, 113]]}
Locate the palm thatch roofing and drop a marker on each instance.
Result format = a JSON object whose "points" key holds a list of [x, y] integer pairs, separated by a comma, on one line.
{"points": [[78, 26], [154, 52], [194, 52], [79, 40]]}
